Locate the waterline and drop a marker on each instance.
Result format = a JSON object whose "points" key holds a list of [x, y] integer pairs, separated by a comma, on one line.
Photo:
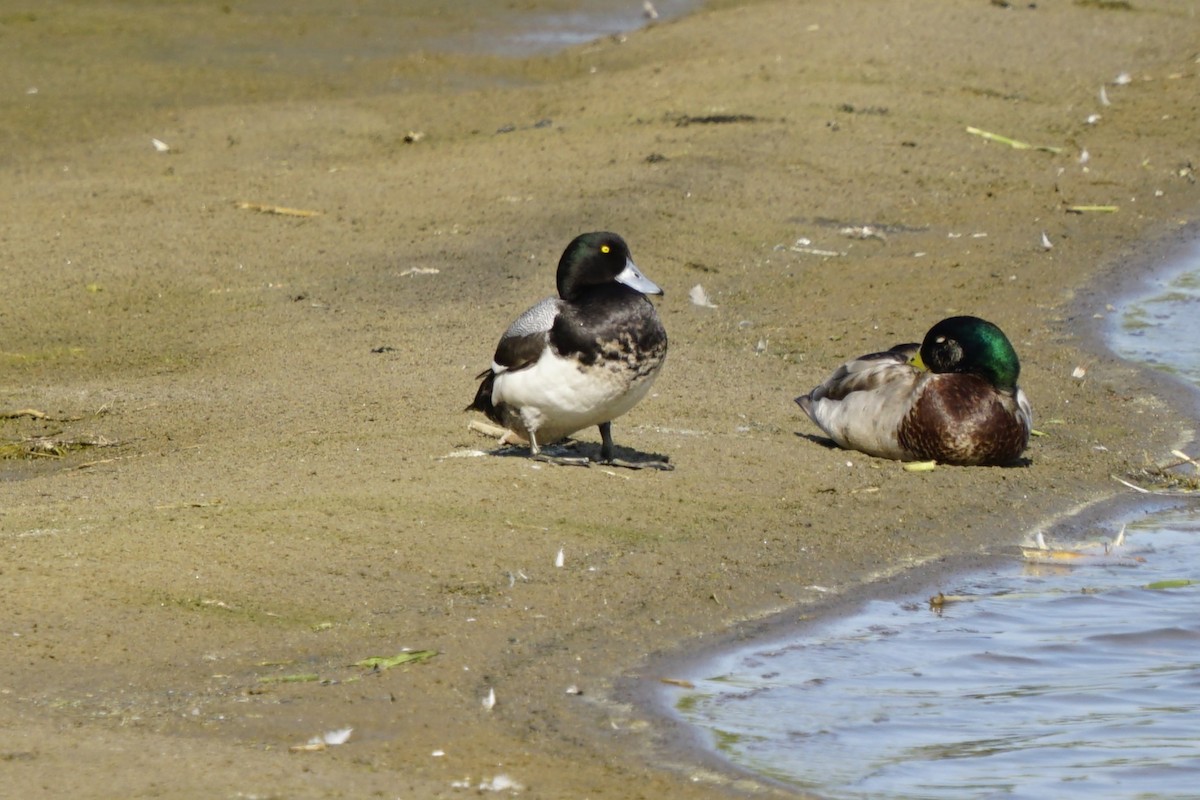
{"points": [[1050, 681]]}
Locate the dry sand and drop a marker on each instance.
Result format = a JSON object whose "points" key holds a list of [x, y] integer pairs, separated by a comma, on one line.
{"points": [[280, 396]]}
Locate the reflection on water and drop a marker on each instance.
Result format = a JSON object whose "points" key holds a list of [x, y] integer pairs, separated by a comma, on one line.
{"points": [[332, 32], [575, 23], [1054, 683]]}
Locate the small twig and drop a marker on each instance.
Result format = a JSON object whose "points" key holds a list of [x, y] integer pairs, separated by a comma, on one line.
{"points": [[98, 462], [191, 504], [33, 413], [24, 412], [1186, 459], [503, 435], [1133, 486], [1159, 492], [1015, 144], [1093, 209], [940, 600], [266, 208]]}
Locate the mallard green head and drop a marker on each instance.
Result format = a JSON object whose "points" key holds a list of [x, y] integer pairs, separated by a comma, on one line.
{"points": [[971, 345]]}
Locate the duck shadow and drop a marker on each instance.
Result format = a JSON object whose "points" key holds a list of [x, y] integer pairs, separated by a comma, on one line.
{"points": [[824, 441], [570, 448], [830, 444]]}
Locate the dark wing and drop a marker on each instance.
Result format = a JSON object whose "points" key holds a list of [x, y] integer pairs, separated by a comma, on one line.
{"points": [[518, 352], [522, 344]]}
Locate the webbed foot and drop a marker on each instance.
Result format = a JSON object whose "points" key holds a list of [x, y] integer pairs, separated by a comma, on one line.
{"points": [[662, 463], [562, 461]]}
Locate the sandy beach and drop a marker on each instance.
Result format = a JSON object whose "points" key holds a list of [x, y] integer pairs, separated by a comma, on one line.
{"points": [[249, 347]]}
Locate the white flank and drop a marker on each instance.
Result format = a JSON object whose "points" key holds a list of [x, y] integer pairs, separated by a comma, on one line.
{"points": [[557, 399]]}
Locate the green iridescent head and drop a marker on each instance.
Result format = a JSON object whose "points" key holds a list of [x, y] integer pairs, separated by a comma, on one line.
{"points": [[972, 345]]}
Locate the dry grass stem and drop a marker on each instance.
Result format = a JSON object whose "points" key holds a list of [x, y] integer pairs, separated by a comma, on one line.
{"points": [[266, 208]]}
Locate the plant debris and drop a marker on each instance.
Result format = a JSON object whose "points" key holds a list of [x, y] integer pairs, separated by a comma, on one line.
{"points": [[713, 119], [300, 677], [1015, 144], [1085, 554], [680, 682], [850, 108], [380, 663], [324, 741], [1106, 5], [266, 208], [32, 413], [1175, 583], [803, 245], [1093, 209], [52, 446], [863, 232], [1163, 479]]}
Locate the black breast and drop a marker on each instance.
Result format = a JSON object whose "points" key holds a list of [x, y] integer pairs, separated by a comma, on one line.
{"points": [[612, 322]]}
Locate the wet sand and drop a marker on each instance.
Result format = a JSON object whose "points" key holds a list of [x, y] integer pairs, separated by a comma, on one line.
{"points": [[272, 491]]}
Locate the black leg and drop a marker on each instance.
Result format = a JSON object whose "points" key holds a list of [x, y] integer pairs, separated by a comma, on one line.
{"points": [[607, 457], [606, 442]]}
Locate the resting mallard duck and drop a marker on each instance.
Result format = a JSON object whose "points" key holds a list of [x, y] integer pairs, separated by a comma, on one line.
{"points": [[582, 358], [954, 398]]}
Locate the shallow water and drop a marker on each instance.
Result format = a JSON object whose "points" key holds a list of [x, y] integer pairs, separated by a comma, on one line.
{"points": [[189, 54], [333, 33], [551, 28], [1051, 681], [1162, 327]]}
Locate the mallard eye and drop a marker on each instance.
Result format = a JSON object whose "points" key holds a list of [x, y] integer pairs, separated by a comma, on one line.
{"points": [[605, 248]]}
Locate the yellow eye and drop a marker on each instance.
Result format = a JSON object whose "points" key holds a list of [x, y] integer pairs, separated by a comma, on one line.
{"points": [[605, 248]]}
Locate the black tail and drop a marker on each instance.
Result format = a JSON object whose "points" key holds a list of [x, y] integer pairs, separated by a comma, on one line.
{"points": [[483, 397]]}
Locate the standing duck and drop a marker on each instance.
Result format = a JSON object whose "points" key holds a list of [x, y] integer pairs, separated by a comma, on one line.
{"points": [[582, 358], [954, 399]]}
